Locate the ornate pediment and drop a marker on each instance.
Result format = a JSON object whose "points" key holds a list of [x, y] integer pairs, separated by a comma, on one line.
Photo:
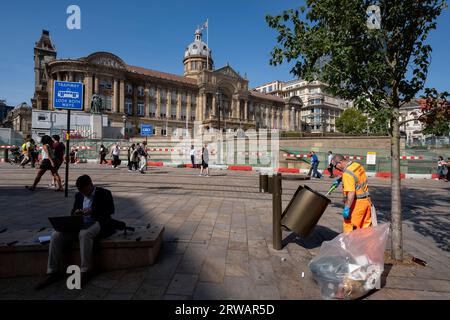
{"points": [[106, 59], [228, 71]]}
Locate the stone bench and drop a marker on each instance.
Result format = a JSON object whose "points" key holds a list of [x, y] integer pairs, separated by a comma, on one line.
{"points": [[21, 254]]}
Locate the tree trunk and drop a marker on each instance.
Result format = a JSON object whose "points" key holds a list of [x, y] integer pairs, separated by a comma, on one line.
{"points": [[396, 205]]}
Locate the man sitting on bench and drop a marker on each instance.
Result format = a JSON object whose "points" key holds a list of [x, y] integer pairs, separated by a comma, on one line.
{"points": [[96, 205]]}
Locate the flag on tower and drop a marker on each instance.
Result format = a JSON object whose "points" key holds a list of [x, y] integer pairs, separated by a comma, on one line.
{"points": [[205, 25]]}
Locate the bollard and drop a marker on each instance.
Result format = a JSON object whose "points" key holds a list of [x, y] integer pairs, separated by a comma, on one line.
{"points": [[270, 184], [276, 210], [6, 155], [263, 182]]}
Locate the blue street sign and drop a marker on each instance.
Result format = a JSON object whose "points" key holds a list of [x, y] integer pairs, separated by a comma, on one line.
{"points": [[146, 130], [68, 95]]}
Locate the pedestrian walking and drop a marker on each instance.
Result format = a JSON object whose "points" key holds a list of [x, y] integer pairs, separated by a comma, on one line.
{"points": [[314, 165], [441, 168], [142, 153], [115, 152], [193, 156], [77, 156], [132, 158], [59, 151], [47, 163], [448, 170], [103, 152], [205, 160], [330, 164], [72, 155], [26, 152]]}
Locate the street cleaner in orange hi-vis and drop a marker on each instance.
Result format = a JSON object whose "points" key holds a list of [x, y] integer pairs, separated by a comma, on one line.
{"points": [[358, 209]]}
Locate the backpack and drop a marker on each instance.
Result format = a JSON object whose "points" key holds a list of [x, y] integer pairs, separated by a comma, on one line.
{"points": [[141, 151]]}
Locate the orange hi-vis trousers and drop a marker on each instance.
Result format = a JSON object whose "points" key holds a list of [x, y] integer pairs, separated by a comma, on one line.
{"points": [[360, 215]]}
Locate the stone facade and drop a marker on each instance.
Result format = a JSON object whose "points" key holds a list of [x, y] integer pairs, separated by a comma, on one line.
{"points": [[218, 98], [318, 109], [19, 119]]}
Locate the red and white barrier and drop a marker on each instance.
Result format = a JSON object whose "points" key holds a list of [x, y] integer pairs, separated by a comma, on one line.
{"points": [[354, 157], [411, 158], [290, 155], [257, 154], [82, 147]]}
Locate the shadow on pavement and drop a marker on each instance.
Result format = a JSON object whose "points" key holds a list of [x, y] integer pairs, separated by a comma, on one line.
{"points": [[427, 211], [313, 240]]}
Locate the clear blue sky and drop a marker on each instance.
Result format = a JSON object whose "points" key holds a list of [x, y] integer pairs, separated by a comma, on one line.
{"points": [[154, 34]]}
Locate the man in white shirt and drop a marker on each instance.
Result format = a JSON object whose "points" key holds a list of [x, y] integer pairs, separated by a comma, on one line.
{"points": [[330, 164]]}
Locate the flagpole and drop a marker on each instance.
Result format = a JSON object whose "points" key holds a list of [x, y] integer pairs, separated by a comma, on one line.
{"points": [[207, 43]]}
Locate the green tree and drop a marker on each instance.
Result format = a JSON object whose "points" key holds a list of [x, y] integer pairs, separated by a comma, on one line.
{"points": [[386, 65], [352, 121], [436, 113]]}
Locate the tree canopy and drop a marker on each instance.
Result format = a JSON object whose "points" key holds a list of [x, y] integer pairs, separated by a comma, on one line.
{"points": [[352, 121]]}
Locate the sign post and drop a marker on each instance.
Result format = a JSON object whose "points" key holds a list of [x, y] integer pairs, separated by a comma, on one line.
{"points": [[146, 131], [67, 96]]}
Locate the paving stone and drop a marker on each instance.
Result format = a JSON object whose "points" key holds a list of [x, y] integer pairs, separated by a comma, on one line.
{"points": [[182, 284], [209, 291], [190, 266], [213, 269]]}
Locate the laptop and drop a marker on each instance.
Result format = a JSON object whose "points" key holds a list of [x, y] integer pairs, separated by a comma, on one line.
{"points": [[67, 223]]}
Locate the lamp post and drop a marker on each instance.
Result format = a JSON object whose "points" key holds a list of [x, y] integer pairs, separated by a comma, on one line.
{"points": [[219, 148], [124, 119]]}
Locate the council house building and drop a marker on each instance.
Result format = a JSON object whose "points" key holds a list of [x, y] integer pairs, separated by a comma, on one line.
{"points": [[218, 98]]}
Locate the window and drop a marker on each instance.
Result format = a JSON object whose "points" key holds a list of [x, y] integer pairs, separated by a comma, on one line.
{"points": [[42, 117], [140, 106], [270, 89], [129, 89], [105, 84], [173, 97], [163, 132], [152, 108], [315, 101], [106, 102], [152, 92], [141, 91], [128, 107]]}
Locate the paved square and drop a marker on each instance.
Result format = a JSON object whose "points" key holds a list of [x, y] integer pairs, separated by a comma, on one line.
{"points": [[218, 238]]}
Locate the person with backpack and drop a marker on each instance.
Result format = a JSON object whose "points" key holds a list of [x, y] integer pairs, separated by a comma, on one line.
{"points": [[26, 152], [314, 165], [143, 155]]}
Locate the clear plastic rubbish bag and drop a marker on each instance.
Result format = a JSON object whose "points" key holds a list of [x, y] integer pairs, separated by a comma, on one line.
{"points": [[350, 265]]}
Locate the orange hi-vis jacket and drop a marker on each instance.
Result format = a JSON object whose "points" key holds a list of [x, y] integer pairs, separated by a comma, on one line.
{"points": [[354, 179]]}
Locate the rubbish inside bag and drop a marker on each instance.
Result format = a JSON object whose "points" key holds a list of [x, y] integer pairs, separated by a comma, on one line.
{"points": [[350, 265]]}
